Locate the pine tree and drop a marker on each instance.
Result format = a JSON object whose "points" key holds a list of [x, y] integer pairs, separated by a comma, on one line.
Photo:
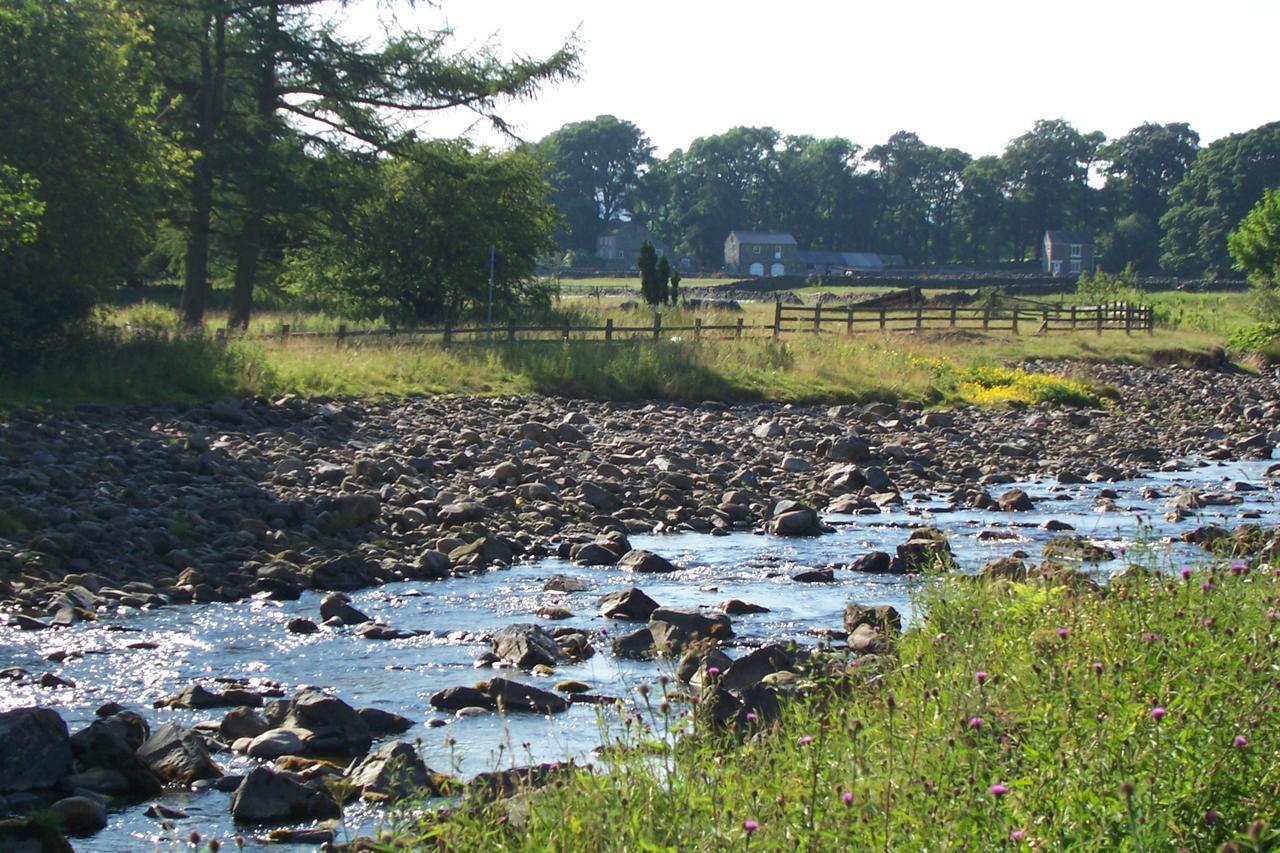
{"points": [[647, 263], [664, 276]]}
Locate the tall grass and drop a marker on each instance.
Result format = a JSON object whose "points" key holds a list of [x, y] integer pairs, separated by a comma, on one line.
{"points": [[1016, 716]]}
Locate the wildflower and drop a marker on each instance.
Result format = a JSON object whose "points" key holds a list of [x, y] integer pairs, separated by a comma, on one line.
{"points": [[1016, 835], [194, 837], [981, 675], [1097, 668], [750, 826], [1186, 573], [752, 717], [1157, 713], [1241, 741], [1062, 633], [1205, 586], [805, 740], [976, 722], [1237, 567], [998, 790], [1126, 788], [713, 671], [1211, 817], [214, 845], [847, 797], [643, 690], [1148, 637]]}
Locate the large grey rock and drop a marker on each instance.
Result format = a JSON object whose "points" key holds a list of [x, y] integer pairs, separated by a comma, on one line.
{"points": [[599, 497], [515, 696], [329, 725], [266, 796], [35, 749], [338, 606], [461, 696], [926, 550], [882, 616], [242, 722], [526, 645], [178, 755], [674, 628], [629, 603], [103, 746], [276, 743], [79, 816], [751, 668], [646, 562], [392, 772]]}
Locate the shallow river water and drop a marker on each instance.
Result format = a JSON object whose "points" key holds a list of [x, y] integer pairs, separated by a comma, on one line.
{"points": [[248, 639]]}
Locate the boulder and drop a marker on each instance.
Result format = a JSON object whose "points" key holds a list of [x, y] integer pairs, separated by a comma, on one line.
{"points": [[738, 607], [926, 550], [630, 603], [637, 645], [1076, 548], [344, 573], [815, 576], [338, 607], [242, 722], [646, 562], [276, 743], [794, 519], [882, 616], [460, 513], [868, 640], [103, 747], [564, 583], [514, 696], [382, 722], [1015, 500], [178, 755], [266, 796], [674, 628], [79, 816], [459, 697], [331, 726], [751, 668], [526, 645], [1005, 568], [35, 749], [599, 497], [394, 771], [876, 563]]}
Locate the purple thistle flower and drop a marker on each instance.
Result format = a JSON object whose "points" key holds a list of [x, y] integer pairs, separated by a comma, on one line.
{"points": [[1016, 835], [750, 826], [1062, 633], [976, 722], [752, 717], [981, 675], [1157, 713], [713, 671], [847, 796], [1186, 573], [1241, 741], [1205, 586], [1237, 567], [805, 740], [1211, 817], [1148, 637], [1097, 667], [998, 790]]}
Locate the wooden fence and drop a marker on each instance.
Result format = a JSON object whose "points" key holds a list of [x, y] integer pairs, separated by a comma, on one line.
{"points": [[787, 320]]}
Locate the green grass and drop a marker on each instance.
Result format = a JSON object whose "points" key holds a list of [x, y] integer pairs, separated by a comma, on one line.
{"points": [[1140, 719]]}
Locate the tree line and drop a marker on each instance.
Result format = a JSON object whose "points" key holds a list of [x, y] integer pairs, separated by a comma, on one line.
{"points": [[1156, 199], [252, 143]]}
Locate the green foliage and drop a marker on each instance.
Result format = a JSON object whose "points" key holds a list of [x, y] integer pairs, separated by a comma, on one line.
{"points": [[1255, 244], [663, 283], [654, 292], [83, 164], [1227, 179], [1099, 287], [1255, 338], [415, 245], [675, 286], [1038, 715]]}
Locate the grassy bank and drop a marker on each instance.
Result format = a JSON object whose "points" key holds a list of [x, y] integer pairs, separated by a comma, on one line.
{"points": [[1018, 716]]}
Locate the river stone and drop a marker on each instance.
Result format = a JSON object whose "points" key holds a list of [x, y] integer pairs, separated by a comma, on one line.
{"points": [[382, 722], [699, 660], [599, 497], [637, 645], [35, 749], [815, 576], [564, 583], [526, 645], [1015, 500], [850, 448], [1005, 568], [674, 628], [738, 607], [104, 746], [794, 519], [338, 606], [242, 722], [514, 696], [1076, 548], [752, 667], [926, 550], [646, 562], [178, 755], [355, 510], [329, 725], [276, 743], [876, 563], [867, 640], [882, 616], [627, 603], [394, 771], [344, 573], [458, 697], [266, 796], [79, 816], [431, 565], [301, 626]]}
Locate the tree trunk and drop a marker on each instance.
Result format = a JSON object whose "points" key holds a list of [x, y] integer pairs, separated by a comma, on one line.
{"points": [[195, 286], [251, 231]]}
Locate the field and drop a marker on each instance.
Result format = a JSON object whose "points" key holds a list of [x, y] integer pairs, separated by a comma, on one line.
{"points": [[152, 361]]}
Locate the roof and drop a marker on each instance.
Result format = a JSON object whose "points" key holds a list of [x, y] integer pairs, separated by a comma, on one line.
{"points": [[853, 260], [763, 237], [617, 227], [1069, 236]]}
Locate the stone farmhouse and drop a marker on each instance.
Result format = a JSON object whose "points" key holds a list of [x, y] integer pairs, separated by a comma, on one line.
{"points": [[618, 245], [1067, 253], [762, 253]]}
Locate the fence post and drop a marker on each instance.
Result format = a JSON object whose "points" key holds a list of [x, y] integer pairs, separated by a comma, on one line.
{"points": [[608, 329], [284, 332], [737, 332], [953, 316], [1073, 318], [1151, 319], [777, 318], [565, 332], [697, 328], [919, 317], [882, 319], [1128, 318], [848, 320], [1015, 320], [342, 333], [1098, 310], [986, 317], [657, 325], [448, 331], [511, 329], [817, 319]]}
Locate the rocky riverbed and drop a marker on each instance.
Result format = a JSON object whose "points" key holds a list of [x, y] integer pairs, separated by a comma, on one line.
{"points": [[302, 505]]}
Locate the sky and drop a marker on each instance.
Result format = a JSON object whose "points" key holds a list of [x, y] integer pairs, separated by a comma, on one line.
{"points": [[970, 75]]}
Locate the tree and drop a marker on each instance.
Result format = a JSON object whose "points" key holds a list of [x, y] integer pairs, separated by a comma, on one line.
{"points": [[594, 168], [1048, 173], [675, 286], [663, 275], [83, 163], [412, 241], [1255, 243], [983, 212], [1226, 180], [647, 263], [261, 62], [920, 184]]}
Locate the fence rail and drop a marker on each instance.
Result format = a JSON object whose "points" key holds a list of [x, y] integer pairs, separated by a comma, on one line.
{"points": [[787, 320]]}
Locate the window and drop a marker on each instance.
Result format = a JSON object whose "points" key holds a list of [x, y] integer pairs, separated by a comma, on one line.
{"points": [[1077, 250], [755, 250], [777, 252], [1075, 265]]}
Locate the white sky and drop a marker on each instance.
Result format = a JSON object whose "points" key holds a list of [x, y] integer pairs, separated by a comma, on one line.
{"points": [[971, 75]]}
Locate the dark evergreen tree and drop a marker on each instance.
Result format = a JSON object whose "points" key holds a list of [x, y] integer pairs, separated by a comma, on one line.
{"points": [[647, 263]]}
